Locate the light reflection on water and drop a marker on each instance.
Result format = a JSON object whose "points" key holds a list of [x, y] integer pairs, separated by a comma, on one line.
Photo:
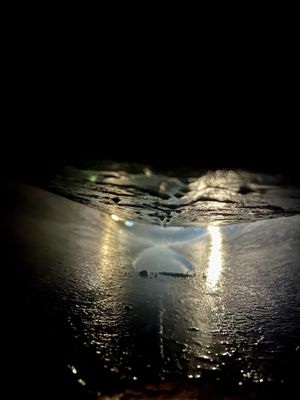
{"points": [[230, 307], [193, 320], [215, 258]]}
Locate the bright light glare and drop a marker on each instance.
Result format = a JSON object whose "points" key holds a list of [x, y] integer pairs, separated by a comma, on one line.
{"points": [[129, 224], [215, 258]]}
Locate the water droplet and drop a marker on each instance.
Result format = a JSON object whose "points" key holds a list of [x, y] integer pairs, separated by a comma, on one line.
{"points": [[163, 261], [135, 378], [81, 381]]}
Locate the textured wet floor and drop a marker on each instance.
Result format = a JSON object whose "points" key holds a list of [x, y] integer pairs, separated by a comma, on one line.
{"points": [[177, 198], [110, 302]]}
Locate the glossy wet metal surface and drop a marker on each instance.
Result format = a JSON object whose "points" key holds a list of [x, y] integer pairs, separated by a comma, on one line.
{"points": [[109, 303]]}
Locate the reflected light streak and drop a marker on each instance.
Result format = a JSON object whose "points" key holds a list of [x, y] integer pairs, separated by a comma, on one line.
{"points": [[108, 253], [215, 258]]}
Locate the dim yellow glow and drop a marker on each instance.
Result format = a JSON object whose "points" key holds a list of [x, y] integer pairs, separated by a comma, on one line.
{"points": [[108, 252], [215, 257], [147, 172], [114, 217]]}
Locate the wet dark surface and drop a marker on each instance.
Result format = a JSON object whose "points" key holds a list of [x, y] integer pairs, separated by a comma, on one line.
{"points": [[180, 197], [218, 309]]}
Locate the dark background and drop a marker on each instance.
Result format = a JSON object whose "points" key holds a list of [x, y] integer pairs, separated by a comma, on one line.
{"points": [[193, 97], [199, 96], [223, 135]]}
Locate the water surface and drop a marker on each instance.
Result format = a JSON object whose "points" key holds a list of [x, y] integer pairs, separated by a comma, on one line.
{"points": [[126, 291]]}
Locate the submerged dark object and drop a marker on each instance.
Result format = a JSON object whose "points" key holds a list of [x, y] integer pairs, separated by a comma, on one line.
{"points": [[144, 273], [147, 274]]}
